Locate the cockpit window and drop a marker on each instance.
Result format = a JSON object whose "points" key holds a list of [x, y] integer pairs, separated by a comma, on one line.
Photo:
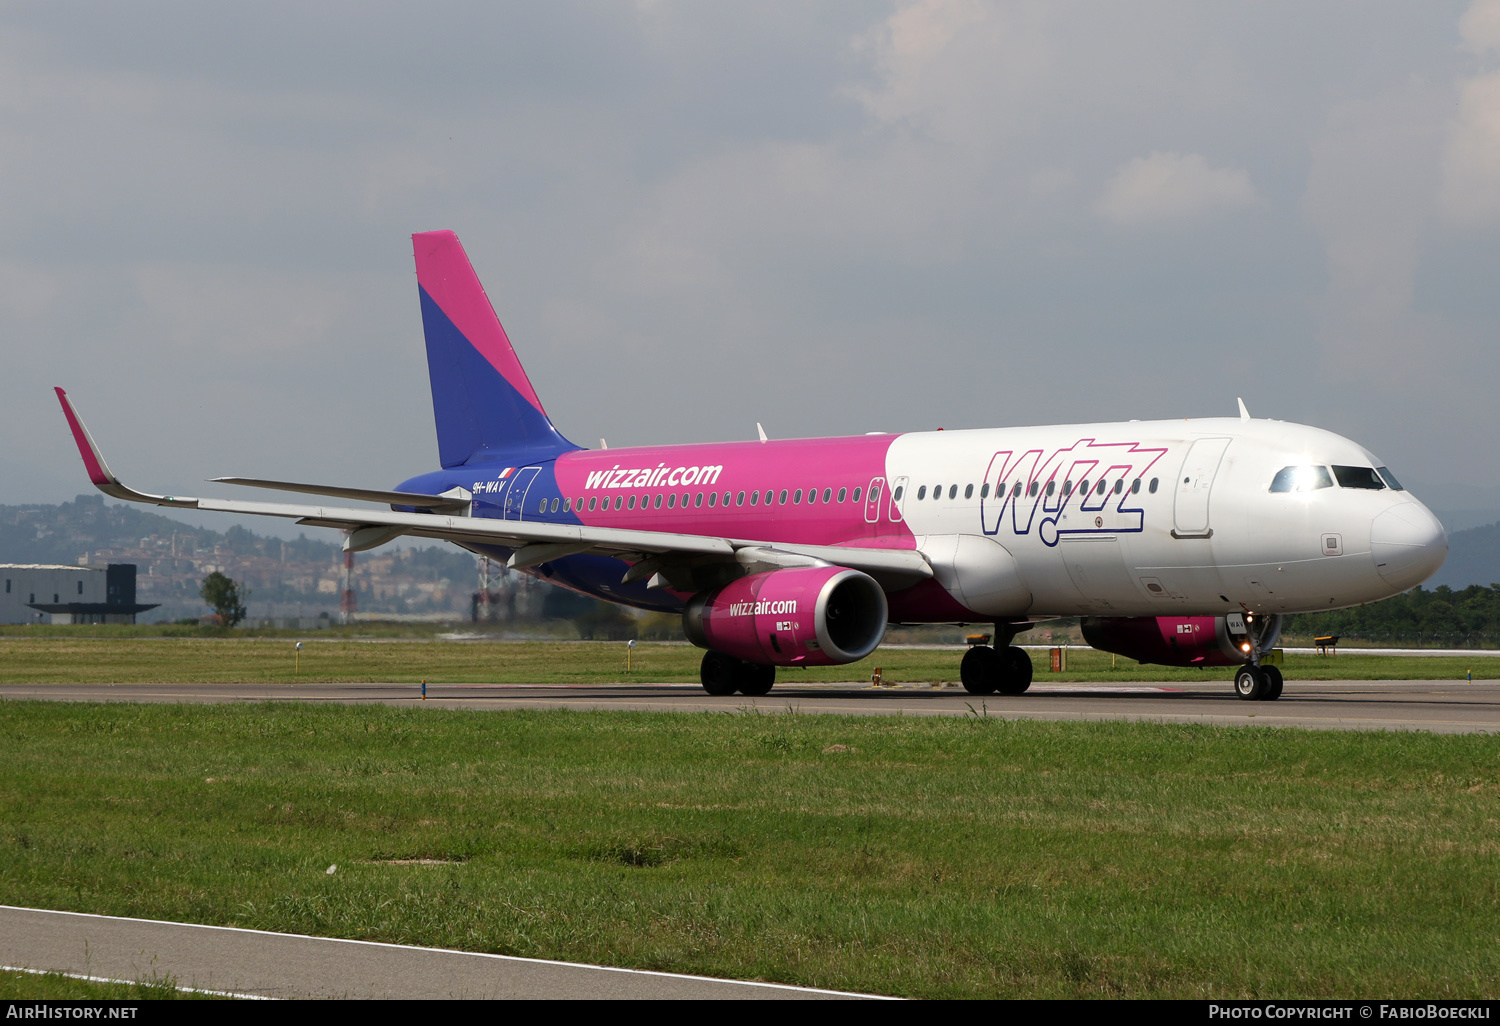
{"points": [[1358, 477], [1389, 479], [1301, 479]]}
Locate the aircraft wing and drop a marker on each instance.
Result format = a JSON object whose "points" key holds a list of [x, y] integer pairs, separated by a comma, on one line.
{"points": [[534, 542]]}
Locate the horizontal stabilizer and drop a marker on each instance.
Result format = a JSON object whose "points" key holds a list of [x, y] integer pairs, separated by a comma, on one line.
{"points": [[454, 501]]}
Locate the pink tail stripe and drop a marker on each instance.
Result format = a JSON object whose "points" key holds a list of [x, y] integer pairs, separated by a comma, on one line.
{"points": [[444, 271], [98, 472]]}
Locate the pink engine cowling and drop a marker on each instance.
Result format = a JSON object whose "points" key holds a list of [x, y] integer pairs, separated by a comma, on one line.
{"points": [[1171, 640], [798, 616]]}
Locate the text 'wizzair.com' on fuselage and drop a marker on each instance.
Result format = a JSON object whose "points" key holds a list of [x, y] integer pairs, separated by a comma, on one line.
{"points": [[1178, 542]]}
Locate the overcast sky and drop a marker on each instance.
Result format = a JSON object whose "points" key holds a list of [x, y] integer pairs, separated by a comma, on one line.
{"points": [[827, 217]]}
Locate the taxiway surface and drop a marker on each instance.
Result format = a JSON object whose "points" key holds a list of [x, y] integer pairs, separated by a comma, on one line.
{"points": [[1441, 706], [254, 963]]}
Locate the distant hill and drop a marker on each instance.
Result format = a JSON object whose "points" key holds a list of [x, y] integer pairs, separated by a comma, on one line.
{"points": [[1473, 558], [61, 533], [292, 578]]}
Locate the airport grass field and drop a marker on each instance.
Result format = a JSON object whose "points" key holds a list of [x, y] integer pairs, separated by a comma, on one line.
{"points": [[44, 660], [924, 857]]}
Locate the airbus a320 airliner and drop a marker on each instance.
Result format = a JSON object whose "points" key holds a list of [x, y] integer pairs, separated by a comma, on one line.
{"points": [[1179, 542]]}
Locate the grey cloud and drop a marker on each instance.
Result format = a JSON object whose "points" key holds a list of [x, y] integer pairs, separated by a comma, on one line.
{"points": [[692, 217]]}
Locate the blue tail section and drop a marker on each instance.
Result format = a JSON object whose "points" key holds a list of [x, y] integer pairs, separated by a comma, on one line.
{"points": [[482, 401]]}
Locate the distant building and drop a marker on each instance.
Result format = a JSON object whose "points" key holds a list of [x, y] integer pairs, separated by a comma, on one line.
{"points": [[39, 593]]}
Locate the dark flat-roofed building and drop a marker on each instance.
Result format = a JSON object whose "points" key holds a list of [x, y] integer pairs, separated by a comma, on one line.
{"points": [[57, 593]]}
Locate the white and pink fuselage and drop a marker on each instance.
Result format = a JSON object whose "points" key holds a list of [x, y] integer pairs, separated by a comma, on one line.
{"points": [[1146, 518]]}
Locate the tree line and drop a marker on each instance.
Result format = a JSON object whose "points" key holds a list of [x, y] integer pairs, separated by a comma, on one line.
{"points": [[1442, 618]]}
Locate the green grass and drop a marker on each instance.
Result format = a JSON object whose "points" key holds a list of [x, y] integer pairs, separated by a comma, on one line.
{"points": [[22, 986], [246, 660], [923, 857]]}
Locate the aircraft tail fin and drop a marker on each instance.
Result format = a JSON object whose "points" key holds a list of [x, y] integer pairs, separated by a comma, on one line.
{"points": [[482, 400]]}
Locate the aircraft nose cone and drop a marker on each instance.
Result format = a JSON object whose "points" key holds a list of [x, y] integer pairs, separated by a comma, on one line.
{"points": [[1408, 545]]}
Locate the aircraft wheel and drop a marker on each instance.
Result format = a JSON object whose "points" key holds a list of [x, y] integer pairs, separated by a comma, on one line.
{"points": [[1274, 682], [720, 673], [981, 670], [1017, 676], [1250, 683], [756, 679]]}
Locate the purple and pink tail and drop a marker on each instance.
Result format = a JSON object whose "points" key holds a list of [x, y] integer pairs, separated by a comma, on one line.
{"points": [[482, 400]]}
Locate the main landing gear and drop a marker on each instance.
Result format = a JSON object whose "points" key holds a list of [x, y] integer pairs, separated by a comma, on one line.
{"points": [[986, 670], [1258, 683], [724, 675]]}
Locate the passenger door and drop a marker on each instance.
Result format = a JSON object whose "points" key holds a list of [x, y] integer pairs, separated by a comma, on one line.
{"points": [[1194, 483], [515, 499]]}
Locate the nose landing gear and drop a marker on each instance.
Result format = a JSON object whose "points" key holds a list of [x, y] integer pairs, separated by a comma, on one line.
{"points": [[1258, 683]]}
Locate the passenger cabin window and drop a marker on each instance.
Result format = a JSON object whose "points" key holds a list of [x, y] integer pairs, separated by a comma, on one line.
{"points": [[698, 500], [1295, 479], [1135, 487], [984, 490], [1035, 487], [656, 502], [968, 491], [843, 494], [922, 492], [593, 500], [797, 497], [713, 498], [856, 493], [900, 490], [1390, 479], [783, 497], [1154, 482], [1358, 477], [827, 495]]}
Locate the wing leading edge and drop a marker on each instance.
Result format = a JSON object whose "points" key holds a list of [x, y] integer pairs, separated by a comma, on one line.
{"points": [[534, 542]]}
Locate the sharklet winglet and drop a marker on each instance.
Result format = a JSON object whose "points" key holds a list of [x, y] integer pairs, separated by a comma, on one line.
{"points": [[99, 472]]}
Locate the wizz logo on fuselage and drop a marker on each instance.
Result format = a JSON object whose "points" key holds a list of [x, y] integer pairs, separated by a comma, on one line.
{"points": [[1081, 479]]}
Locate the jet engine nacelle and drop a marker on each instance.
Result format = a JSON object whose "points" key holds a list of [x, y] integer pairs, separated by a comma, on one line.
{"points": [[798, 616], [1179, 640]]}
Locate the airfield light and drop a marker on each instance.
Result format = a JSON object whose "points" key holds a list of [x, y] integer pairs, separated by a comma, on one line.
{"points": [[299, 656], [629, 645]]}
